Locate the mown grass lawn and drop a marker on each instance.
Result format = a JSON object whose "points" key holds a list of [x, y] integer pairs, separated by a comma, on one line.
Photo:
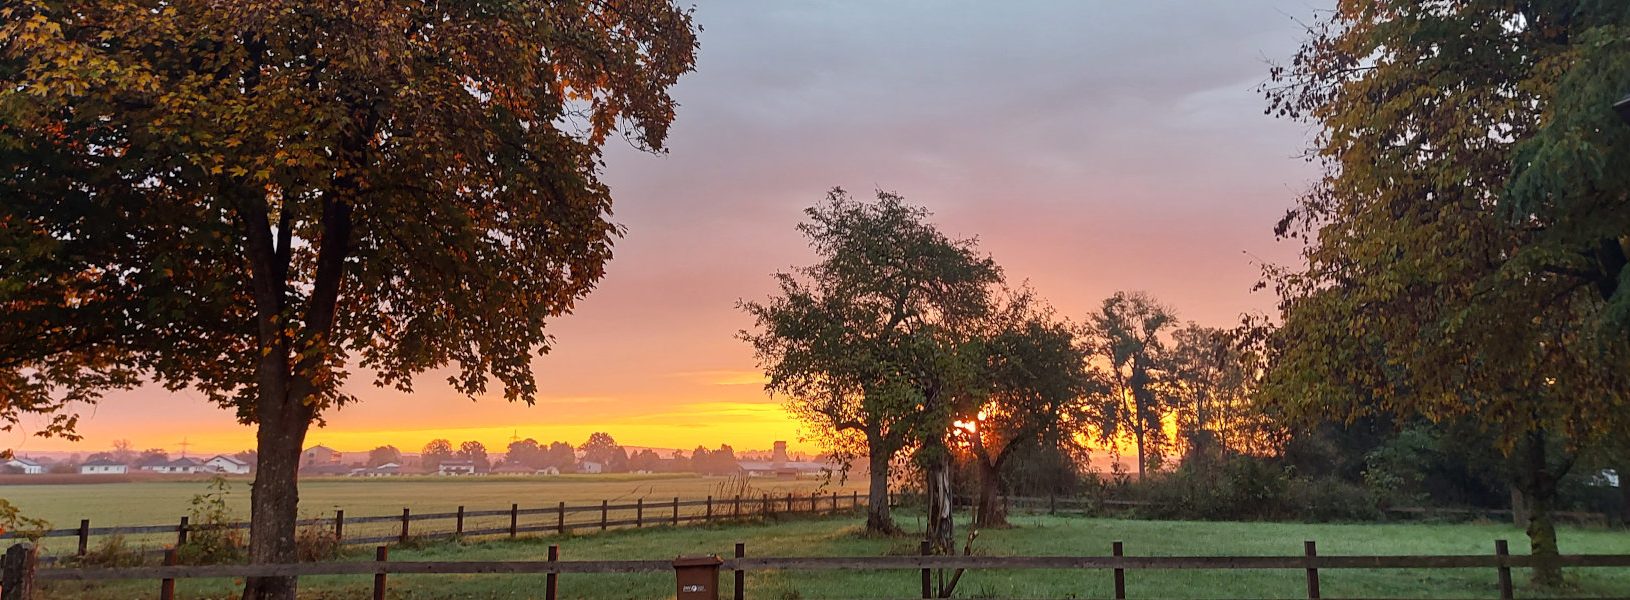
{"points": [[1031, 535]]}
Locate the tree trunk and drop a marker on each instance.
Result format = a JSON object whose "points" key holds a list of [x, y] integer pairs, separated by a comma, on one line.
{"points": [[878, 519], [1539, 492], [1519, 509], [1623, 473], [941, 527], [991, 512], [1139, 434], [274, 506]]}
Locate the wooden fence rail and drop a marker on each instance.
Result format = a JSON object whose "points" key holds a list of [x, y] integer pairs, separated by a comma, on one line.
{"points": [[602, 516], [19, 571]]}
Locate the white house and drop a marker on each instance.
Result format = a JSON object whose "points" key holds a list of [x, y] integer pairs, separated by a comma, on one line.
{"points": [[181, 465], [589, 466], [222, 463], [456, 467], [26, 466], [389, 469], [549, 470], [103, 466]]}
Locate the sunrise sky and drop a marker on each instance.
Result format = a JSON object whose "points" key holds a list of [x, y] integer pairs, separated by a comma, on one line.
{"points": [[1092, 146]]}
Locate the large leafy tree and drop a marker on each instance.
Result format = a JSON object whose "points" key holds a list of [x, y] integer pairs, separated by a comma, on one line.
{"points": [[869, 345], [250, 198], [1128, 334], [1212, 385], [1038, 389], [1467, 243]]}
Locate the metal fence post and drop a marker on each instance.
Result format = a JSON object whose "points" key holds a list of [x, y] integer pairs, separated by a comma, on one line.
{"points": [[1119, 550], [1312, 572], [381, 554], [1503, 552], [17, 572]]}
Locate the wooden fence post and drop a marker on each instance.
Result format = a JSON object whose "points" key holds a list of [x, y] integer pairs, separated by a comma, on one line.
{"points": [[927, 591], [1312, 573], [166, 587], [1119, 550], [766, 506], [84, 536], [1503, 551], [789, 503], [560, 518], [854, 499], [639, 512], [381, 554], [551, 582], [741, 576], [339, 526], [708, 517], [458, 522], [738, 506], [602, 515], [17, 572], [514, 519], [676, 511], [181, 533], [814, 502], [405, 518]]}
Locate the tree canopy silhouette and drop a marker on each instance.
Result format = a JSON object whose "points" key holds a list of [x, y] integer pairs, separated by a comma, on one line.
{"points": [[250, 198]]}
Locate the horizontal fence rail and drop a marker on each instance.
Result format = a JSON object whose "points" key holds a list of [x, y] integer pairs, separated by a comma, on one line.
{"points": [[20, 570]]}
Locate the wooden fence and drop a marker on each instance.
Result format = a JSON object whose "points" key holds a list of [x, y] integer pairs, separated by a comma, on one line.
{"points": [[559, 518], [19, 573], [1094, 506]]}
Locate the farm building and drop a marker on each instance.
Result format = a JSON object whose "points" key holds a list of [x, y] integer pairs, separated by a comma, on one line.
{"points": [[319, 455], [589, 466], [389, 469], [514, 469], [103, 466], [222, 463], [456, 467], [780, 466], [24, 466], [181, 465]]}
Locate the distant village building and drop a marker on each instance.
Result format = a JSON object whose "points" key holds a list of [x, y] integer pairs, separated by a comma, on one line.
{"points": [[456, 467], [155, 464], [229, 465], [24, 466], [103, 466], [514, 469], [589, 466], [549, 470], [181, 465], [319, 455], [389, 469], [325, 470], [780, 466]]}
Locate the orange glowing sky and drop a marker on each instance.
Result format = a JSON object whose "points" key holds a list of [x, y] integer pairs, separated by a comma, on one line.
{"points": [[1091, 146]]}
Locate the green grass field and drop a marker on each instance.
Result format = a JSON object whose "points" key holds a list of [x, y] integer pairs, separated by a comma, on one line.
{"points": [[163, 502], [1032, 535]]}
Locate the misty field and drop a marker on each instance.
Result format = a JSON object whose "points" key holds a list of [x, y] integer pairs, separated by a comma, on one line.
{"points": [[164, 502], [1032, 535]]}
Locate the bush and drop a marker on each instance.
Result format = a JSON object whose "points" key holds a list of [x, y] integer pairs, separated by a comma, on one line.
{"points": [[113, 551], [213, 537], [316, 542], [1247, 488]]}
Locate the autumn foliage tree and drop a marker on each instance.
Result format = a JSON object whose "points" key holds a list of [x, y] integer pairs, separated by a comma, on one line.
{"points": [[1467, 245], [869, 345], [251, 198]]}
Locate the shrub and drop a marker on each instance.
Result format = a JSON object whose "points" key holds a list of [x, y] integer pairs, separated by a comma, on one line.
{"points": [[316, 542], [214, 537], [113, 551], [1331, 499]]}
